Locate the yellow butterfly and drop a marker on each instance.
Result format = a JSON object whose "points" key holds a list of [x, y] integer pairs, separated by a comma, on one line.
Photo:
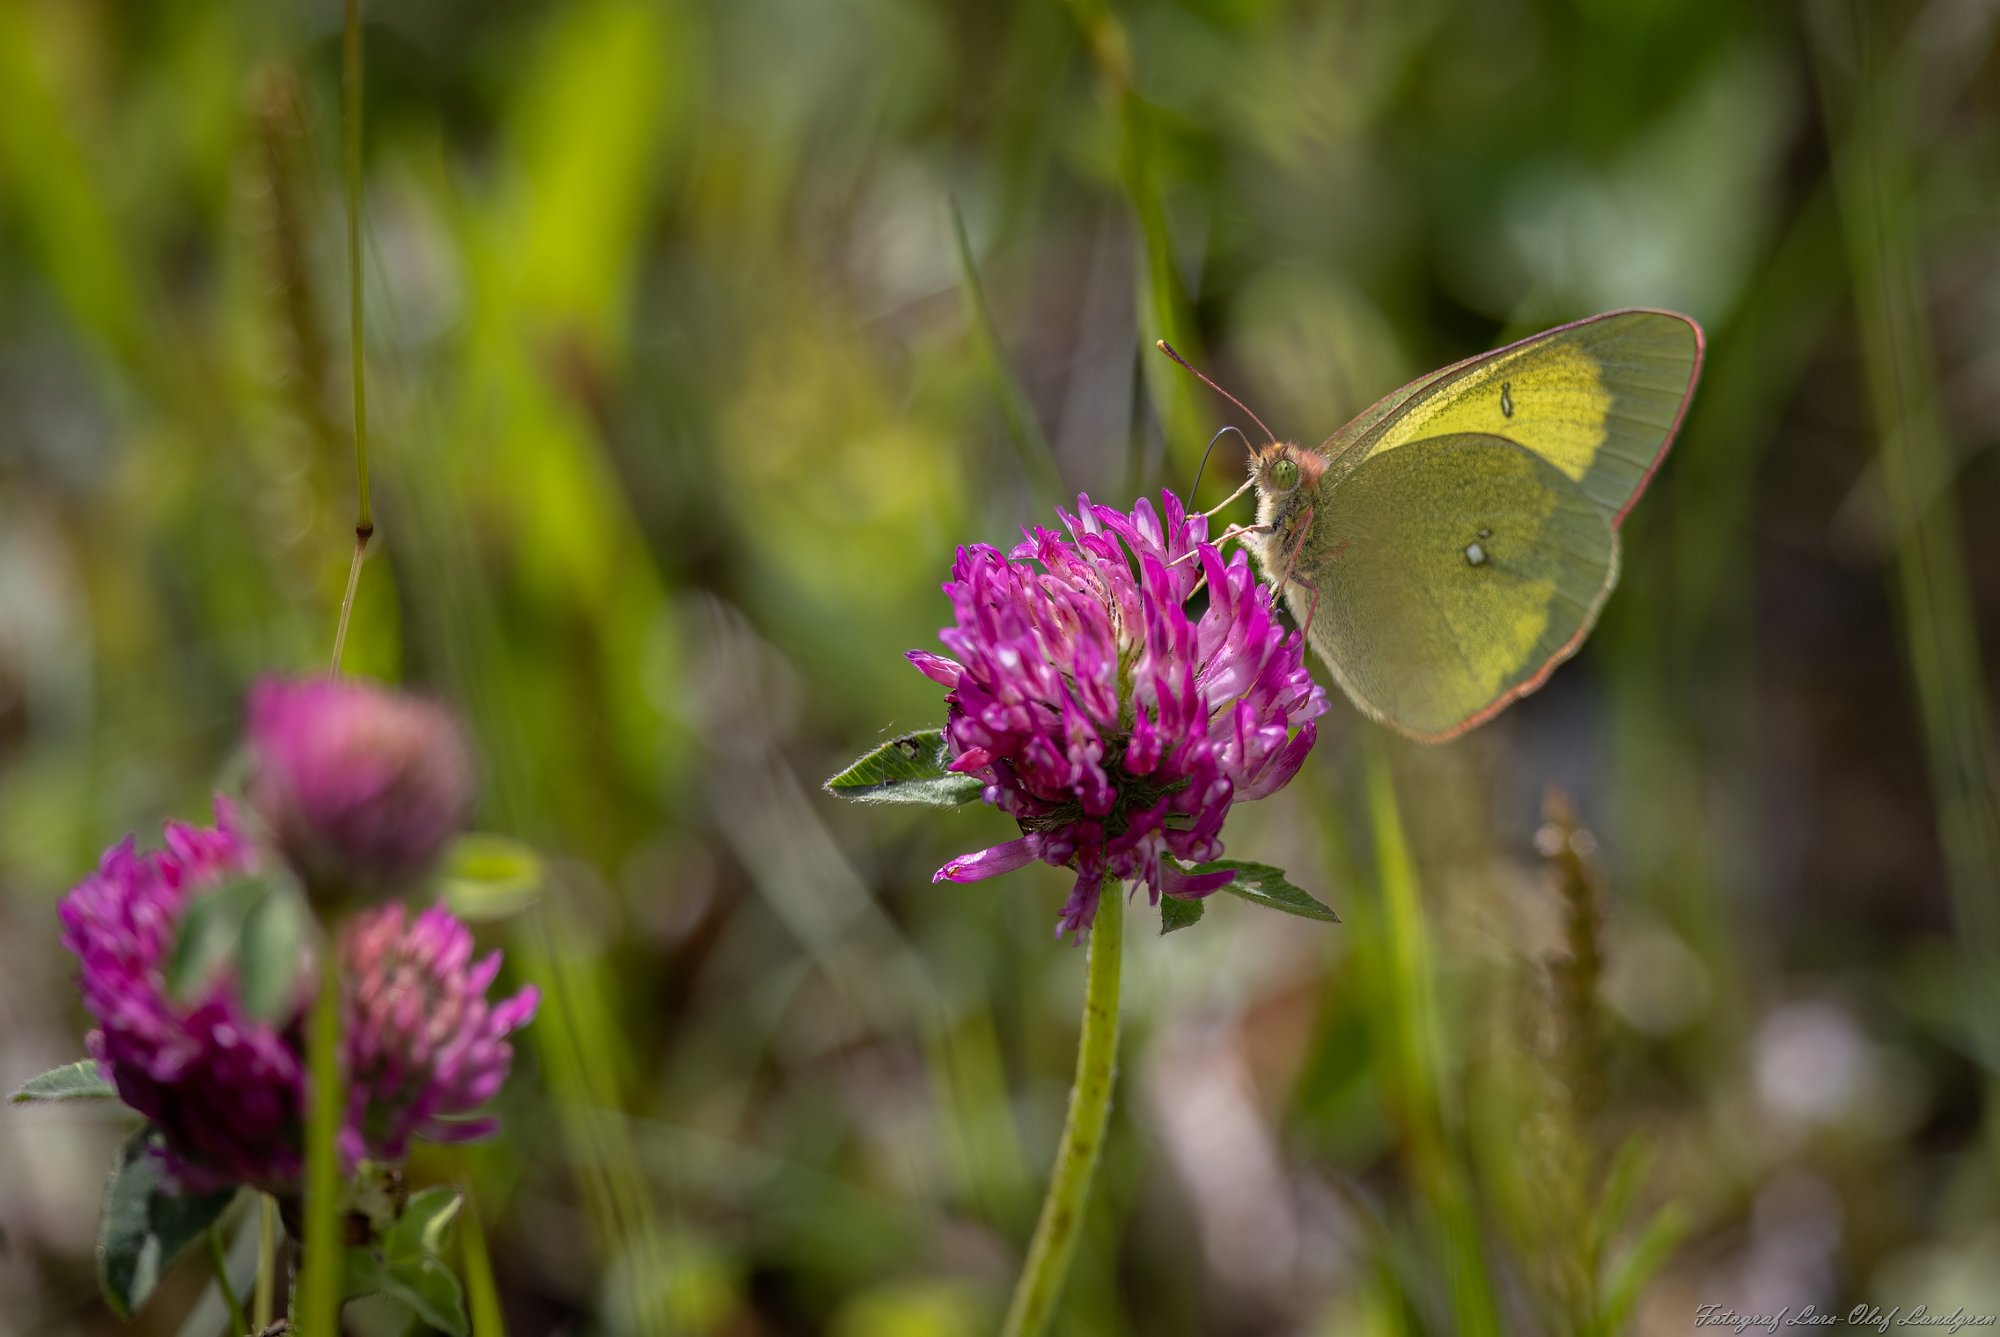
{"points": [[1453, 544]]}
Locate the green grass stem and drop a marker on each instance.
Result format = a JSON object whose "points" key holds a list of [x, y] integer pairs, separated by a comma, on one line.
{"points": [[218, 1261], [1416, 1066], [351, 91], [482, 1290], [1038, 460]]}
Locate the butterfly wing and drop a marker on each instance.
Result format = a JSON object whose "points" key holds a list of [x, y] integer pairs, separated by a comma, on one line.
{"points": [[1458, 571], [1599, 399], [1464, 535]]}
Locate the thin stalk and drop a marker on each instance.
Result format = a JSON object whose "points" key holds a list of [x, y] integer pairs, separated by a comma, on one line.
{"points": [[350, 87], [318, 1312], [263, 1300], [1037, 458], [1054, 1244], [482, 1292], [1418, 1074], [318, 1308], [1164, 309], [218, 1259], [364, 513], [347, 599]]}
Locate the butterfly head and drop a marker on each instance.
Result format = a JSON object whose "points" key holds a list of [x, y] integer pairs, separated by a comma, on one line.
{"points": [[1284, 475], [1280, 470], [1286, 478]]}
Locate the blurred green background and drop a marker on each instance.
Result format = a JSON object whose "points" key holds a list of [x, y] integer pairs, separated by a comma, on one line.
{"points": [[681, 400]]}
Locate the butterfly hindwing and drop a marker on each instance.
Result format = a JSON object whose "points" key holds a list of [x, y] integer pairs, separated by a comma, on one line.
{"points": [[1461, 569]]}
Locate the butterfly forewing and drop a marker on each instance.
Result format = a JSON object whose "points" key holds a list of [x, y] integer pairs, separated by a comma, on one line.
{"points": [[1461, 569], [1599, 399]]}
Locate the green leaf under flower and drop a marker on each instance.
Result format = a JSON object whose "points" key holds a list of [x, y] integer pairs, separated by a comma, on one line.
{"points": [[146, 1224], [403, 1263], [425, 1224], [910, 769], [81, 1080], [430, 1291], [1261, 884], [1179, 912], [490, 877]]}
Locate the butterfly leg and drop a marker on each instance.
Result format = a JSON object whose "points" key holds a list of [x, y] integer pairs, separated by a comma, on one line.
{"points": [[1248, 483], [1237, 532], [1303, 526], [1234, 531]]}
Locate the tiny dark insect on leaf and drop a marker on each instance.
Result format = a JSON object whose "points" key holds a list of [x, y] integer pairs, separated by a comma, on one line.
{"points": [[910, 769]]}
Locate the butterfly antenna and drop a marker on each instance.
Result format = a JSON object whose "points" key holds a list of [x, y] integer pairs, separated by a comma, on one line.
{"points": [[1195, 491], [1168, 349]]}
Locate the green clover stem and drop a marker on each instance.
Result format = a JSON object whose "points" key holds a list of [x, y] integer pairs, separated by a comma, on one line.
{"points": [[1061, 1224], [318, 1310]]}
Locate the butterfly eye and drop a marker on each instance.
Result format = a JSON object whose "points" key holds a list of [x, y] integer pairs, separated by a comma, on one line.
{"points": [[1283, 475]]}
